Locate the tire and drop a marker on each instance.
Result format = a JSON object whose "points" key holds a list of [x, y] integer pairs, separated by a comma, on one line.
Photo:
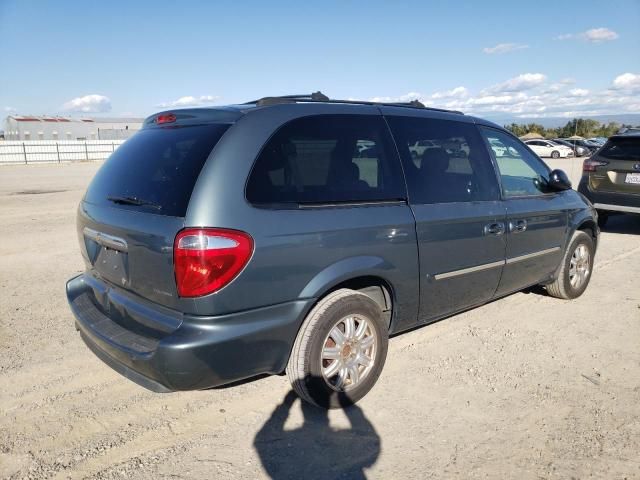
{"points": [[555, 154], [310, 375], [563, 287], [603, 218]]}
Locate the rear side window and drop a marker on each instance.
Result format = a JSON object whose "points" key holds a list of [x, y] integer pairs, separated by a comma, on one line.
{"points": [[622, 149], [156, 169], [444, 161], [327, 159]]}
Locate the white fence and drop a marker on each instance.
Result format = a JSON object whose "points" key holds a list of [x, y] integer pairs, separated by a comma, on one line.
{"points": [[52, 151]]}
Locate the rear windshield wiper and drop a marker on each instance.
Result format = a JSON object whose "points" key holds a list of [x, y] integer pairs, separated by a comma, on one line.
{"points": [[133, 201]]}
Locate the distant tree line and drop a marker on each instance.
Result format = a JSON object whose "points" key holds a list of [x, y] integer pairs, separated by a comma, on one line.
{"points": [[583, 127]]}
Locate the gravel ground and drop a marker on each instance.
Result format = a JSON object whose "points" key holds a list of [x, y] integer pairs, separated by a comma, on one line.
{"points": [[527, 386]]}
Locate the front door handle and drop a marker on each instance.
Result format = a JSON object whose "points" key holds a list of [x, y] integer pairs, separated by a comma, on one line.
{"points": [[494, 229], [517, 226]]}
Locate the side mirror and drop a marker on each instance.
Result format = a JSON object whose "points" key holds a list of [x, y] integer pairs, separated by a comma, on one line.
{"points": [[559, 181]]}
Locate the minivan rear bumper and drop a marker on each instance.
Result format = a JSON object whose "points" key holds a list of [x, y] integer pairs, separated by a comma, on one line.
{"points": [[202, 352]]}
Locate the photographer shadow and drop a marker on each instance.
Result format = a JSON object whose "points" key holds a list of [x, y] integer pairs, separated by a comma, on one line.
{"points": [[316, 450]]}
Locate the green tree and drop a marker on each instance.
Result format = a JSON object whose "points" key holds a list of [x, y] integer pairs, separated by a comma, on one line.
{"points": [[583, 127]]}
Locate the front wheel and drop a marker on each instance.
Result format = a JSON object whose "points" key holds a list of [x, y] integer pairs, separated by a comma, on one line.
{"points": [[555, 154], [340, 350], [575, 271]]}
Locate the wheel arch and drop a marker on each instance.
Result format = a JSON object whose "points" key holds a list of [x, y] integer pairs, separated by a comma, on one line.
{"points": [[376, 288], [590, 227], [364, 274]]}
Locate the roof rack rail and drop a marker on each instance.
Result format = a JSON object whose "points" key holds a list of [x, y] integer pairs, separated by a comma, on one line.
{"points": [[319, 97], [312, 97]]}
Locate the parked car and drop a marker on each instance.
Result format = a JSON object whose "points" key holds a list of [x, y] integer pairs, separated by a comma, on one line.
{"points": [[628, 131], [369, 152], [599, 141], [420, 146], [224, 243], [547, 148], [583, 143], [499, 150], [611, 178], [578, 151]]}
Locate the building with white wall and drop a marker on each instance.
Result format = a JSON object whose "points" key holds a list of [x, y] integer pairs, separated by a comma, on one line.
{"points": [[31, 127]]}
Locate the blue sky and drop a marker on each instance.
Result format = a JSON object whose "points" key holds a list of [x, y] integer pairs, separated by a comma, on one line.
{"points": [[483, 57]]}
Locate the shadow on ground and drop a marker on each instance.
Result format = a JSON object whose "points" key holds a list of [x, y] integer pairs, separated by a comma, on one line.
{"points": [[629, 224], [316, 450]]}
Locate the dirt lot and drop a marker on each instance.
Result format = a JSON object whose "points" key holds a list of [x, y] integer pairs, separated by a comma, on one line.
{"points": [[527, 386]]}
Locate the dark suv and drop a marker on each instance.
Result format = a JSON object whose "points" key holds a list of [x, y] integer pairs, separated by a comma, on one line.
{"points": [[611, 177], [295, 234]]}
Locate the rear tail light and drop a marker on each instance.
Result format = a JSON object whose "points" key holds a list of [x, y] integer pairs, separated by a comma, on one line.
{"points": [[591, 165], [165, 118], [207, 259]]}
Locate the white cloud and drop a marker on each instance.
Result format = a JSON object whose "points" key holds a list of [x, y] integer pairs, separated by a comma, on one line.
{"points": [[88, 104], [492, 100], [593, 35], [578, 92], [504, 48], [627, 81], [529, 95], [401, 99], [598, 35], [525, 81], [9, 109], [560, 85], [190, 101], [458, 92]]}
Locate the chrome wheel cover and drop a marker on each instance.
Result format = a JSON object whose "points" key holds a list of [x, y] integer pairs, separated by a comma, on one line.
{"points": [[349, 352], [579, 266]]}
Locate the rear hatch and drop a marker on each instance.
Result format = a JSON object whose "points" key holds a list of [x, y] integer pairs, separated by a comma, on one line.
{"points": [[135, 206], [617, 166]]}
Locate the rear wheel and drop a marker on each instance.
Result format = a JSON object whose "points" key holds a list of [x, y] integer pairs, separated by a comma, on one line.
{"points": [[340, 350], [576, 268], [555, 154]]}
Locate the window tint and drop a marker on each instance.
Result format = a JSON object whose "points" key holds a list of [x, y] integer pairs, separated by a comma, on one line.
{"points": [[444, 161], [326, 159], [157, 166], [522, 173], [622, 149]]}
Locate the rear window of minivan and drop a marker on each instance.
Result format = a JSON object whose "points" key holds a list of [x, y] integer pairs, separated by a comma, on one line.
{"points": [[156, 169]]}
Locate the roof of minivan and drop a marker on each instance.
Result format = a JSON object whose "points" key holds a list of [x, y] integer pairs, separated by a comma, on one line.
{"points": [[232, 113]]}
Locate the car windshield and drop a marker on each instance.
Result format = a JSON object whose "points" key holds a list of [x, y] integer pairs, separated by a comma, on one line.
{"points": [[622, 149]]}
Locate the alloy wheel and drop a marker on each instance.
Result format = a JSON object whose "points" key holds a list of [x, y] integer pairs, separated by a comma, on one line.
{"points": [[349, 352]]}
